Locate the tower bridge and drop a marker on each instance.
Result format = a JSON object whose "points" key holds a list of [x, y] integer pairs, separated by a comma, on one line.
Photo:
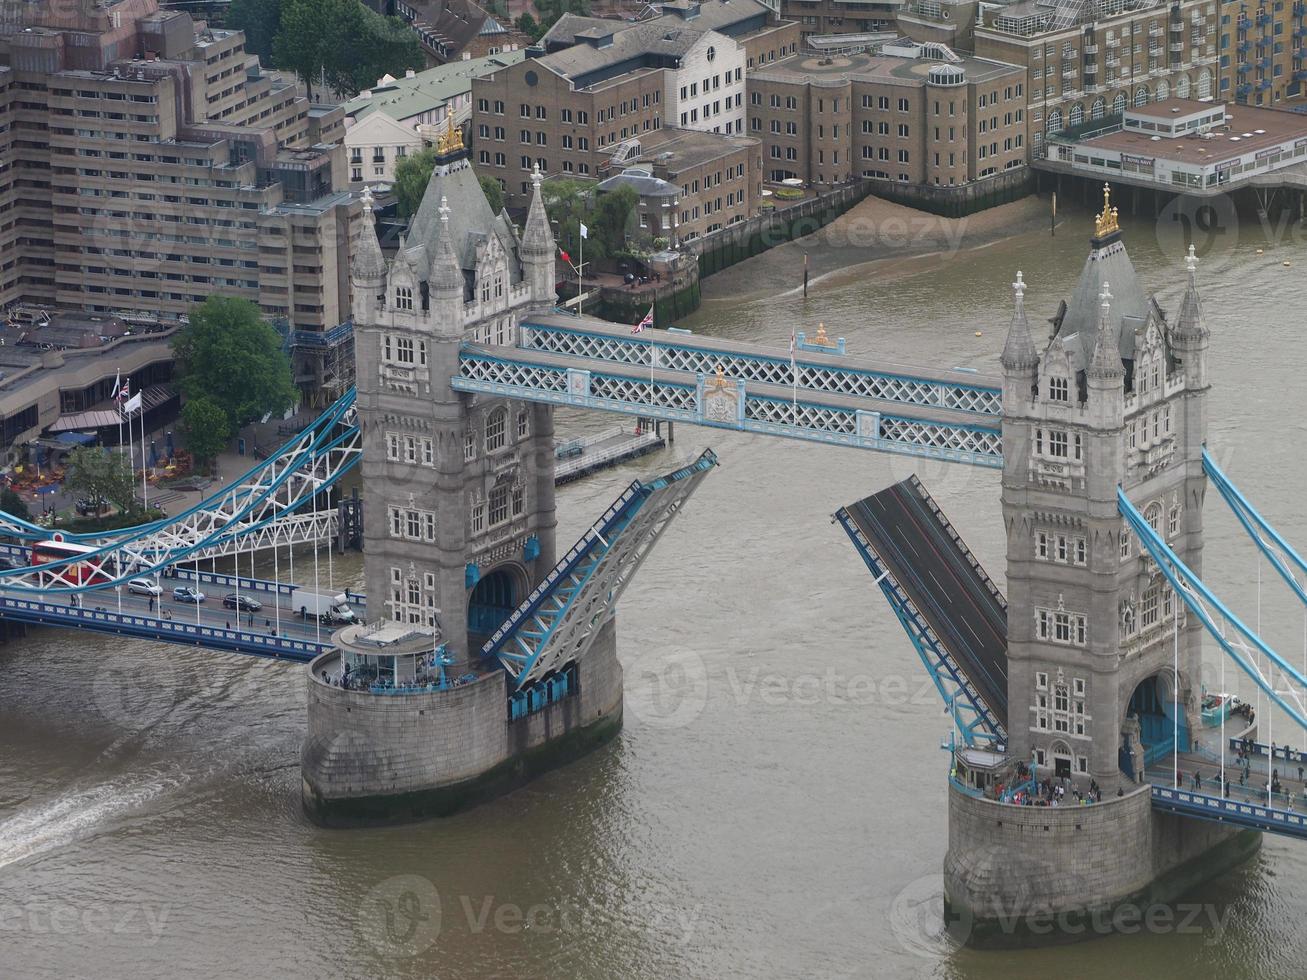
{"points": [[485, 656]]}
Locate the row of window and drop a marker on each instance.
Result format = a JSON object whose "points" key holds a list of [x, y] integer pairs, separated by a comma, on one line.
{"points": [[1068, 549], [713, 82], [412, 525], [411, 600], [1057, 626], [1059, 444], [506, 503]]}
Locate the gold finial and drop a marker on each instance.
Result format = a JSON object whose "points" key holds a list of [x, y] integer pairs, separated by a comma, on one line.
{"points": [[721, 375], [821, 337], [452, 138], [1105, 223]]}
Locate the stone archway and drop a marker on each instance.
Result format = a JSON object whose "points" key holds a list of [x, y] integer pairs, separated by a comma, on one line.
{"points": [[494, 597], [1150, 717]]}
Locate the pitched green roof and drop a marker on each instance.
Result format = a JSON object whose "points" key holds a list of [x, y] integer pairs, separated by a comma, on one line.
{"points": [[430, 89]]}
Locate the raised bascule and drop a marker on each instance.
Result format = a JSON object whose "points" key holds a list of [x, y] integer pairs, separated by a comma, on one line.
{"points": [[488, 653]]}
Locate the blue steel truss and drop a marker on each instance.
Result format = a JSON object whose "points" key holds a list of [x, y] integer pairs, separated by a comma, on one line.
{"points": [[559, 620], [1280, 553], [973, 716], [1240, 643], [1204, 806], [595, 340], [730, 403]]}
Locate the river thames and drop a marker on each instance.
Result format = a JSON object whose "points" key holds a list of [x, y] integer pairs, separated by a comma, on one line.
{"points": [[775, 806]]}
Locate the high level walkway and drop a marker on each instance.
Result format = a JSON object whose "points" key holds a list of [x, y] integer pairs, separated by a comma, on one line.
{"points": [[950, 608]]}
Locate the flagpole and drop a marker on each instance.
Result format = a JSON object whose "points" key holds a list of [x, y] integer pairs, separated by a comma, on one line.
{"points": [[580, 266], [131, 445], [145, 486]]}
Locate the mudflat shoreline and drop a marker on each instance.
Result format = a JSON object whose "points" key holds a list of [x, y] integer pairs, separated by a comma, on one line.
{"points": [[876, 231]]}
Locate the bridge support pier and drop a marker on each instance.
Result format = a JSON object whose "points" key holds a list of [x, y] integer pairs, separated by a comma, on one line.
{"points": [[1026, 875], [372, 759]]}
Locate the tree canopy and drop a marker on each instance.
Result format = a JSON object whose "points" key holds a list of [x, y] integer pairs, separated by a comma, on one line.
{"points": [[12, 503], [229, 355], [569, 203], [206, 427], [98, 473], [260, 20], [412, 174], [344, 42]]}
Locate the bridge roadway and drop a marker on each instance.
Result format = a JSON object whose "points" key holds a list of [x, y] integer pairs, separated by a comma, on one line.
{"points": [[943, 580], [1284, 813], [277, 631]]}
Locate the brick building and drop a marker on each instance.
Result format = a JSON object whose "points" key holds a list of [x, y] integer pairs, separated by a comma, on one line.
{"points": [[1263, 51], [690, 183], [147, 162], [915, 113], [594, 84], [1084, 62]]}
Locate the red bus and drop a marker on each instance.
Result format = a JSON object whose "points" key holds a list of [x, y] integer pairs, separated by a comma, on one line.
{"points": [[79, 573]]}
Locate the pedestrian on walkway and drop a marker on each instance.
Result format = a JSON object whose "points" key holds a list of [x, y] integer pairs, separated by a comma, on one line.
{"points": [[151, 603]]}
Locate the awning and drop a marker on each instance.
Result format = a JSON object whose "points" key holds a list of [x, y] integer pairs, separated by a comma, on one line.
{"points": [[107, 417]]}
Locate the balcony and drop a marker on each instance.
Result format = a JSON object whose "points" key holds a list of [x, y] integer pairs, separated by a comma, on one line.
{"points": [[1264, 62], [1177, 26], [1263, 84], [1243, 68], [1091, 49], [1243, 46], [1154, 30], [1245, 88], [1299, 8], [1113, 62], [1263, 20], [1177, 47], [1091, 69], [1300, 75], [1068, 73]]}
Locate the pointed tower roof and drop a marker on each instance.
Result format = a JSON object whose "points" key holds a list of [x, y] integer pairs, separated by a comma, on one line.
{"points": [[1106, 363], [1191, 322], [1019, 349], [453, 179], [446, 275], [537, 238], [369, 263], [1107, 262]]}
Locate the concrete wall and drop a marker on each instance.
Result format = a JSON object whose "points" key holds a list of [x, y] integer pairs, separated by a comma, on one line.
{"points": [[1017, 863], [380, 758]]}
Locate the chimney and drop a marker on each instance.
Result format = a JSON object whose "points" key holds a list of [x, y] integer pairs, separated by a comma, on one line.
{"points": [[410, 73]]}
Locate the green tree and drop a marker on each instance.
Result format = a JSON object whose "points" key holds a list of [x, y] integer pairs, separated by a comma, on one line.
{"points": [[570, 203], [259, 19], [412, 174], [14, 505], [97, 473], [344, 42], [315, 37], [490, 188], [231, 356], [206, 427], [528, 25]]}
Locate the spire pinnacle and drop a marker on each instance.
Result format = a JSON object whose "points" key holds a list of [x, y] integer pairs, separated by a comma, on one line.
{"points": [[369, 263], [445, 271], [1190, 322], [1019, 349], [1106, 362], [444, 210], [537, 239]]}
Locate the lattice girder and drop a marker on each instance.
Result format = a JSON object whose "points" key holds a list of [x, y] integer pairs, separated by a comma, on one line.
{"points": [[762, 366], [558, 622]]}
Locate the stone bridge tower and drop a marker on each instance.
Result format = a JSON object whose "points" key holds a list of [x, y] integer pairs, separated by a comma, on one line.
{"points": [[459, 511], [1117, 397]]}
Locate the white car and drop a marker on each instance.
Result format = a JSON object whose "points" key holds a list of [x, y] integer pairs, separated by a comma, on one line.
{"points": [[143, 586]]}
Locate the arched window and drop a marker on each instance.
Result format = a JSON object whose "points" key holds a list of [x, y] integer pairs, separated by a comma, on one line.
{"points": [[1055, 121], [1182, 87], [1119, 103], [1098, 110], [1204, 84], [523, 425], [1153, 515], [1141, 95], [404, 298], [1077, 115], [496, 430], [1164, 90]]}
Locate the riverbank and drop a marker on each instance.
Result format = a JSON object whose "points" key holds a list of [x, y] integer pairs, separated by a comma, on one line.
{"points": [[876, 230]]}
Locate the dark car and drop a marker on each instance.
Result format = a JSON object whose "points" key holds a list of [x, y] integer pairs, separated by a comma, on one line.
{"points": [[241, 602], [184, 593]]}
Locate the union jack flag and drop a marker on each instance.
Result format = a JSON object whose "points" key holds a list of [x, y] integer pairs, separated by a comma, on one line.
{"points": [[645, 323]]}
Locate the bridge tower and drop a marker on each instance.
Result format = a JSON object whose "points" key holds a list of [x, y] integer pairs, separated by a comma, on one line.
{"points": [[459, 506], [1115, 396], [405, 718]]}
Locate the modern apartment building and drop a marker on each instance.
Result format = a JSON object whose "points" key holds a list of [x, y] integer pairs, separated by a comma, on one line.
{"points": [[915, 113], [594, 84], [821, 17], [1086, 60], [147, 162], [1263, 51]]}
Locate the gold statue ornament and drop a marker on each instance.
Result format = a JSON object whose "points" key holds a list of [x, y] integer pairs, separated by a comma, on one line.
{"points": [[1105, 223], [452, 138]]}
